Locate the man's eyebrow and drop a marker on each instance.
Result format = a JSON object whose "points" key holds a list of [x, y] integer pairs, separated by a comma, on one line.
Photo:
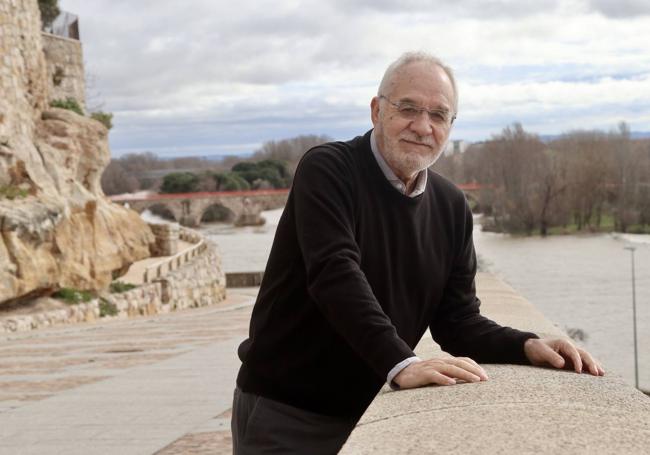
{"points": [[408, 100]]}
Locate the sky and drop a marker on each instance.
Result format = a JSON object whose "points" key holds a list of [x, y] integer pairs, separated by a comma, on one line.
{"points": [[216, 77]]}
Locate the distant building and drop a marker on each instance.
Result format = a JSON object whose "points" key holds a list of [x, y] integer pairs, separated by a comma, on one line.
{"points": [[456, 146]]}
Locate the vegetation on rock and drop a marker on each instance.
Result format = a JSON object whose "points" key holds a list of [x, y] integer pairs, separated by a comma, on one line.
{"points": [[105, 118], [73, 296], [70, 104], [12, 192], [107, 308], [119, 286]]}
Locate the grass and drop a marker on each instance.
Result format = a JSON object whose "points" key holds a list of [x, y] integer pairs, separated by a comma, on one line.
{"points": [[70, 104], [73, 296], [119, 286], [607, 224], [12, 192]]}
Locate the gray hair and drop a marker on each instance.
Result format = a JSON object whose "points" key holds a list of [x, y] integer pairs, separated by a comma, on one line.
{"points": [[411, 57]]}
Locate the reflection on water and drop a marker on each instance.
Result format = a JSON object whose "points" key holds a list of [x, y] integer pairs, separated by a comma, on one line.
{"points": [[579, 282]]}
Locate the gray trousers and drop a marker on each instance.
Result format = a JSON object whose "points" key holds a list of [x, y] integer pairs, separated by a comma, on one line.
{"points": [[263, 426]]}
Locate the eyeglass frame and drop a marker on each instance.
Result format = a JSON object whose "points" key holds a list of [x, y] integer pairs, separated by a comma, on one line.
{"points": [[420, 110]]}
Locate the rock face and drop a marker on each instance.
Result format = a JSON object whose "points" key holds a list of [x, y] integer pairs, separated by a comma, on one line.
{"points": [[58, 229]]}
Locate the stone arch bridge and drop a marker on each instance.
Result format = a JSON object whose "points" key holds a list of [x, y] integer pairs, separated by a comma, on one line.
{"points": [[188, 209]]}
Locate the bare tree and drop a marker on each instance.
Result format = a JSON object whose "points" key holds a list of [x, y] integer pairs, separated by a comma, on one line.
{"points": [[116, 180]]}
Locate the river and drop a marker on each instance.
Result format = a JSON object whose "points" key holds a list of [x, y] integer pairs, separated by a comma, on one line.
{"points": [[580, 282]]}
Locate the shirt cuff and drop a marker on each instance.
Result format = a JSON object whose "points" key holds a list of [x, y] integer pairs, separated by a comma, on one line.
{"points": [[399, 367]]}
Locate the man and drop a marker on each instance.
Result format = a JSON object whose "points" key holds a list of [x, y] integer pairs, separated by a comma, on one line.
{"points": [[371, 250]]}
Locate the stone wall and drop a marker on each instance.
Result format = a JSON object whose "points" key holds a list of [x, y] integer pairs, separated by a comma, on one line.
{"points": [[23, 86], [199, 282], [65, 68]]}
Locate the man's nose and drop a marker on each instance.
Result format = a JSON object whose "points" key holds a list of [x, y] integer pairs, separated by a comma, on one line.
{"points": [[421, 124]]}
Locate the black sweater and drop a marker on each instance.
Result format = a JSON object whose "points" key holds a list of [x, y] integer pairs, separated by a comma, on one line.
{"points": [[356, 274]]}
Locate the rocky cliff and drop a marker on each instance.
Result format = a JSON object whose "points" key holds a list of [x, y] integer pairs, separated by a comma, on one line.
{"points": [[58, 229]]}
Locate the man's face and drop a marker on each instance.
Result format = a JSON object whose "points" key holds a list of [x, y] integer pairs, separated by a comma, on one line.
{"points": [[410, 145]]}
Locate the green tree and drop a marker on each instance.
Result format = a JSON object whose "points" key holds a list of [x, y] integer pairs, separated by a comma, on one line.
{"points": [[230, 181], [180, 182], [49, 11], [265, 173]]}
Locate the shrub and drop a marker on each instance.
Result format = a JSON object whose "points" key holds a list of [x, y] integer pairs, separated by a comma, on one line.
{"points": [[107, 308], [72, 296], [70, 104], [265, 172], [105, 118], [119, 286], [230, 181], [49, 11]]}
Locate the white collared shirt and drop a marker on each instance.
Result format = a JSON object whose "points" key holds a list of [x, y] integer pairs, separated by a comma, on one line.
{"points": [[394, 180]]}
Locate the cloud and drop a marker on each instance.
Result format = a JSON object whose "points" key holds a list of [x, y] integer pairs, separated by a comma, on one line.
{"points": [[208, 73], [621, 8]]}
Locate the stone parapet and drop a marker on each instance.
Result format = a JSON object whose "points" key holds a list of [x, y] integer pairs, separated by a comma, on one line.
{"points": [[520, 409], [167, 236], [244, 279]]}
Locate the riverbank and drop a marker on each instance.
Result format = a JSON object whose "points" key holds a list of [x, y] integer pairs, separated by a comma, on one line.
{"points": [[584, 284], [607, 226]]}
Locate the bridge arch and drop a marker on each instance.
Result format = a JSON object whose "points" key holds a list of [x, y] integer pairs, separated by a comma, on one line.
{"points": [[217, 212], [163, 210]]}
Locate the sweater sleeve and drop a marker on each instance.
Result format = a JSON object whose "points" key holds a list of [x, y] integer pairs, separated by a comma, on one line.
{"points": [[459, 328], [325, 221]]}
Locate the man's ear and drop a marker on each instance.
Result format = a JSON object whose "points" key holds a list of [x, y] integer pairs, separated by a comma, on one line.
{"points": [[374, 110]]}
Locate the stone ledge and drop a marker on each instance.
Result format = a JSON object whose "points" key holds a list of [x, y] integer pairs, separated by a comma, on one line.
{"points": [[521, 409]]}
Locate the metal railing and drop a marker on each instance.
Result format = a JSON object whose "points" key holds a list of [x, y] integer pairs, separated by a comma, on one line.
{"points": [[162, 268]]}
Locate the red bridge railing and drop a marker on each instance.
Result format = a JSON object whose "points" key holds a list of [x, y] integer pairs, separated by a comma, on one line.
{"points": [[201, 194]]}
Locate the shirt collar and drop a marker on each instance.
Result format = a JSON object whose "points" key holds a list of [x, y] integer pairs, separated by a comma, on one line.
{"points": [[420, 183]]}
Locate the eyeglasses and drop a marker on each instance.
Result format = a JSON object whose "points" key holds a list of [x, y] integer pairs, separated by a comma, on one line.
{"points": [[438, 117]]}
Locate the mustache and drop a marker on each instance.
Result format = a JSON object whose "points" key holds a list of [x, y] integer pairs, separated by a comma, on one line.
{"points": [[424, 140]]}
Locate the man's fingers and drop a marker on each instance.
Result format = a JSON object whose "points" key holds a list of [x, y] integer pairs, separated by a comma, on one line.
{"points": [[456, 372], [549, 355], [590, 363], [570, 351], [553, 351], [471, 366], [436, 377], [470, 369], [447, 371]]}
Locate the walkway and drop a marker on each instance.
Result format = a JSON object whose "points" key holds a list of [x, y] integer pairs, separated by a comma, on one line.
{"points": [[160, 384]]}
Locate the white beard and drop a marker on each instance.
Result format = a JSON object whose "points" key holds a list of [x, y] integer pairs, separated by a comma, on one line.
{"points": [[411, 163]]}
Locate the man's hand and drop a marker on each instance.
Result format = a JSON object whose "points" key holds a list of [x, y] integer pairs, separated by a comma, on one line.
{"points": [[442, 371], [556, 351]]}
